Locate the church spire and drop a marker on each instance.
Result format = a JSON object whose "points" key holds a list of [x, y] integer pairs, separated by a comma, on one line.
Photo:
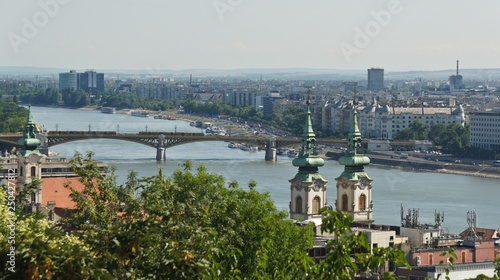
{"points": [[353, 159], [354, 186], [308, 160], [29, 143], [308, 187]]}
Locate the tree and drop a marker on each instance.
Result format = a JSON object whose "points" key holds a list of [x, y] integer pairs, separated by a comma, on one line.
{"points": [[191, 225], [405, 134], [420, 129], [339, 263]]}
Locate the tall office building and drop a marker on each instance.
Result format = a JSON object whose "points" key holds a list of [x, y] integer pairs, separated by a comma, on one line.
{"points": [[68, 80], [376, 79], [269, 100], [90, 81]]}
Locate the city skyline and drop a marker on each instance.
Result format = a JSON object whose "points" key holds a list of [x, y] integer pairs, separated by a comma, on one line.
{"points": [[234, 34]]}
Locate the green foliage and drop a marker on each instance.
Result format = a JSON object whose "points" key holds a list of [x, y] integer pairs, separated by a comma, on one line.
{"points": [[339, 262], [291, 119], [134, 101], [12, 116], [40, 96], [192, 225], [452, 139], [416, 130], [187, 226], [420, 129]]}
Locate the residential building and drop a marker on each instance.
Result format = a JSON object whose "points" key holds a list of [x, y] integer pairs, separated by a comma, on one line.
{"points": [[485, 129], [68, 80], [377, 121]]}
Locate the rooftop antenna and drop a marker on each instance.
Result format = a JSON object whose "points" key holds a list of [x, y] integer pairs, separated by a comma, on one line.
{"points": [[402, 215], [438, 218], [472, 222]]}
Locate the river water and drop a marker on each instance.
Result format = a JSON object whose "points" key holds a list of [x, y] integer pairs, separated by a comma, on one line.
{"points": [[452, 194]]}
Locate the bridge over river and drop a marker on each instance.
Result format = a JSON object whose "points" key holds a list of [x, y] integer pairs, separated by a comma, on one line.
{"points": [[163, 140]]}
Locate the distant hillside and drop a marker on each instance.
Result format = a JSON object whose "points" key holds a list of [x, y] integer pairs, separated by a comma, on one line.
{"points": [[268, 73]]}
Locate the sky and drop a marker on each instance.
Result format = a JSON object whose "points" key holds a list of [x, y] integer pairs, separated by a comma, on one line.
{"points": [[397, 35]]}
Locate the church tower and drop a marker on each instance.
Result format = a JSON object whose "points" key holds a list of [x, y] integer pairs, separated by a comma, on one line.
{"points": [[354, 186], [308, 188], [29, 160]]}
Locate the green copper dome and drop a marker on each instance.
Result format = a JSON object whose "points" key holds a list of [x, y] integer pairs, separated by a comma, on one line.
{"points": [[29, 143], [308, 160]]}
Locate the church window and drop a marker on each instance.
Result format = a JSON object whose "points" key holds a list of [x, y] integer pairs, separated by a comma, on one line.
{"points": [[21, 171], [362, 202], [316, 203], [33, 171], [298, 204], [344, 202]]}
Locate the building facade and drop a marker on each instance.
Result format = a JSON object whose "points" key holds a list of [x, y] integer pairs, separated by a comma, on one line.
{"points": [[375, 79], [377, 121], [89, 81], [68, 80], [485, 130]]}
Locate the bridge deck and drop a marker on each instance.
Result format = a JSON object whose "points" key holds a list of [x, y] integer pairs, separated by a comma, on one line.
{"points": [[171, 139]]}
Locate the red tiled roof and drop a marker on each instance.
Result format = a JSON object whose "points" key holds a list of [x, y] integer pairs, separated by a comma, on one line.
{"points": [[53, 190], [483, 233]]}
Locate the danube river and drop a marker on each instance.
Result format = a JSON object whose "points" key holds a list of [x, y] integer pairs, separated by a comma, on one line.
{"points": [[452, 194]]}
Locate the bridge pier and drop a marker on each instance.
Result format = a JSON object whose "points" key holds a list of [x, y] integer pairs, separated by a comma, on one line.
{"points": [[161, 154], [271, 150], [161, 150]]}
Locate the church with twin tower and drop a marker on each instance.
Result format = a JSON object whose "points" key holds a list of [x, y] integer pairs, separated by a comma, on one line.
{"points": [[354, 186]]}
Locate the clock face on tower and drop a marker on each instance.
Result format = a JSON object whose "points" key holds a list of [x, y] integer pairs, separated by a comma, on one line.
{"points": [[363, 182], [317, 185], [298, 185]]}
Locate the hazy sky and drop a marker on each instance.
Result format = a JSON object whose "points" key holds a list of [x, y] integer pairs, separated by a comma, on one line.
{"points": [[226, 34]]}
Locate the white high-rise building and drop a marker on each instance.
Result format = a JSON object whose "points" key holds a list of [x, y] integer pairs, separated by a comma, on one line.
{"points": [[485, 130]]}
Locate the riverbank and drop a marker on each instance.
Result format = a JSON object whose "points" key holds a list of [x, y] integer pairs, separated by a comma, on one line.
{"points": [[416, 164], [379, 159]]}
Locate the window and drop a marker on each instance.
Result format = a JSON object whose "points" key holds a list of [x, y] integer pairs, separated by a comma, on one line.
{"points": [[362, 202], [298, 204], [316, 203], [463, 257], [344, 202], [33, 171], [21, 171], [430, 259]]}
